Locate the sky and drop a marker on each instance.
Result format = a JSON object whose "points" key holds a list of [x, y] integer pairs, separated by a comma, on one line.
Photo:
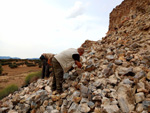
{"points": [[29, 28]]}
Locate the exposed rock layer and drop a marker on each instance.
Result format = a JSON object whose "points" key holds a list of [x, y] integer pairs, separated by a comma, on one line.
{"points": [[127, 10]]}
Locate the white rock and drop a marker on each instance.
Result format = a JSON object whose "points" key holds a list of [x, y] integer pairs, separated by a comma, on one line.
{"points": [[12, 111], [123, 104], [105, 101], [112, 109], [139, 97], [84, 108], [139, 108], [112, 79], [48, 89], [54, 111]]}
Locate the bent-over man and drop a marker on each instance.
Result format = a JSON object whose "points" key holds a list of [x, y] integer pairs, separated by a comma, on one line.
{"points": [[46, 60], [61, 63]]}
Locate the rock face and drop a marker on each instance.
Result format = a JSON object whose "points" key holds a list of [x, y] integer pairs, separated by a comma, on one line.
{"points": [[115, 76], [127, 10]]}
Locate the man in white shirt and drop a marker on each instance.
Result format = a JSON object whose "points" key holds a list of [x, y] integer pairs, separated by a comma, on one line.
{"points": [[62, 63]]}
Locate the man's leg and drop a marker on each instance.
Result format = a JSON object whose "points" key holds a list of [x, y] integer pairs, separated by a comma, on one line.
{"points": [[58, 75], [47, 70], [54, 78], [59, 79], [43, 69]]}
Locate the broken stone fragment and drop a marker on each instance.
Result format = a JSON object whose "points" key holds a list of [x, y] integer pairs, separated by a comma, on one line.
{"points": [[105, 101], [124, 70], [55, 97], [55, 111], [123, 104], [118, 62], [59, 102], [63, 95], [112, 80], [111, 109], [98, 98], [83, 89], [140, 74], [4, 109], [146, 104], [135, 45], [97, 92], [77, 99], [90, 68], [42, 109], [73, 108], [127, 81], [48, 89], [91, 104], [49, 109], [66, 76], [33, 105], [142, 90], [148, 76], [107, 71], [139, 97], [92, 77], [139, 108], [84, 108], [12, 111], [110, 57]]}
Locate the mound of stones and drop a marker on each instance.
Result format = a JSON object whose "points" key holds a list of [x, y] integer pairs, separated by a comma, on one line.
{"points": [[115, 76]]}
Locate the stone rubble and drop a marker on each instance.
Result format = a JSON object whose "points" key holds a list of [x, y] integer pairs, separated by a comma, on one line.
{"points": [[115, 76]]}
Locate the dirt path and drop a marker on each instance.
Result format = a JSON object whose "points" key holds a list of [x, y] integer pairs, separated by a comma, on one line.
{"points": [[15, 76]]}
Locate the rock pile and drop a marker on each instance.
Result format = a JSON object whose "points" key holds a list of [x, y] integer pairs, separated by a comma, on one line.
{"points": [[115, 76]]}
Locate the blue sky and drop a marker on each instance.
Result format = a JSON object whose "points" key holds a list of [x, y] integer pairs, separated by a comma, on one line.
{"points": [[29, 28]]}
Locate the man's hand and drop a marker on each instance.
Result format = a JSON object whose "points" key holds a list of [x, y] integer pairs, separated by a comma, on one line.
{"points": [[49, 62], [78, 64]]}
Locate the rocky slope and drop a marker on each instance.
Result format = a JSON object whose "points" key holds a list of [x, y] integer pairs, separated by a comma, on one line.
{"points": [[115, 77], [128, 9]]}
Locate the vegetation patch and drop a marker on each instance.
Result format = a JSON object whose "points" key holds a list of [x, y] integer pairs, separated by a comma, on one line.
{"points": [[13, 65], [32, 77], [9, 89], [1, 69]]}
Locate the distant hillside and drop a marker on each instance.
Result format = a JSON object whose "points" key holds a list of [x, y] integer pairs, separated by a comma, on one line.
{"points": [[32, 58], [8, 57]]}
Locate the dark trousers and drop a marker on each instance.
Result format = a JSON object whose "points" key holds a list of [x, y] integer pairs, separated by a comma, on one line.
{"points": [[45, 69], [57, 75]]}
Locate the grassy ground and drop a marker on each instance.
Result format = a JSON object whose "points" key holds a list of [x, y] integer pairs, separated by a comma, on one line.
{"points": [[9, 89], [12, 88], [32, 77]]}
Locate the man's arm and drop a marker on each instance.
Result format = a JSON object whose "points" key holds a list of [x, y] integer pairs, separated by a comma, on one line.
{"points": [[49, 62], [78, 64]]}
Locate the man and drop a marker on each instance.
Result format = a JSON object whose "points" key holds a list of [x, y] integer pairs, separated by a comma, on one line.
{"points": [[61, 63], [46, 59]]}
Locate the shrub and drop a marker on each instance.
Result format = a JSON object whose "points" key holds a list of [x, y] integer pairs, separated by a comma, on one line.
{"points": [[30, 64], [9, 89], [13, 65], [32, 77], [1, 69]]}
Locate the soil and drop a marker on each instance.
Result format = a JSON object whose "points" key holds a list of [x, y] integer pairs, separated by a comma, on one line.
{"points": [[16, 75]]}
